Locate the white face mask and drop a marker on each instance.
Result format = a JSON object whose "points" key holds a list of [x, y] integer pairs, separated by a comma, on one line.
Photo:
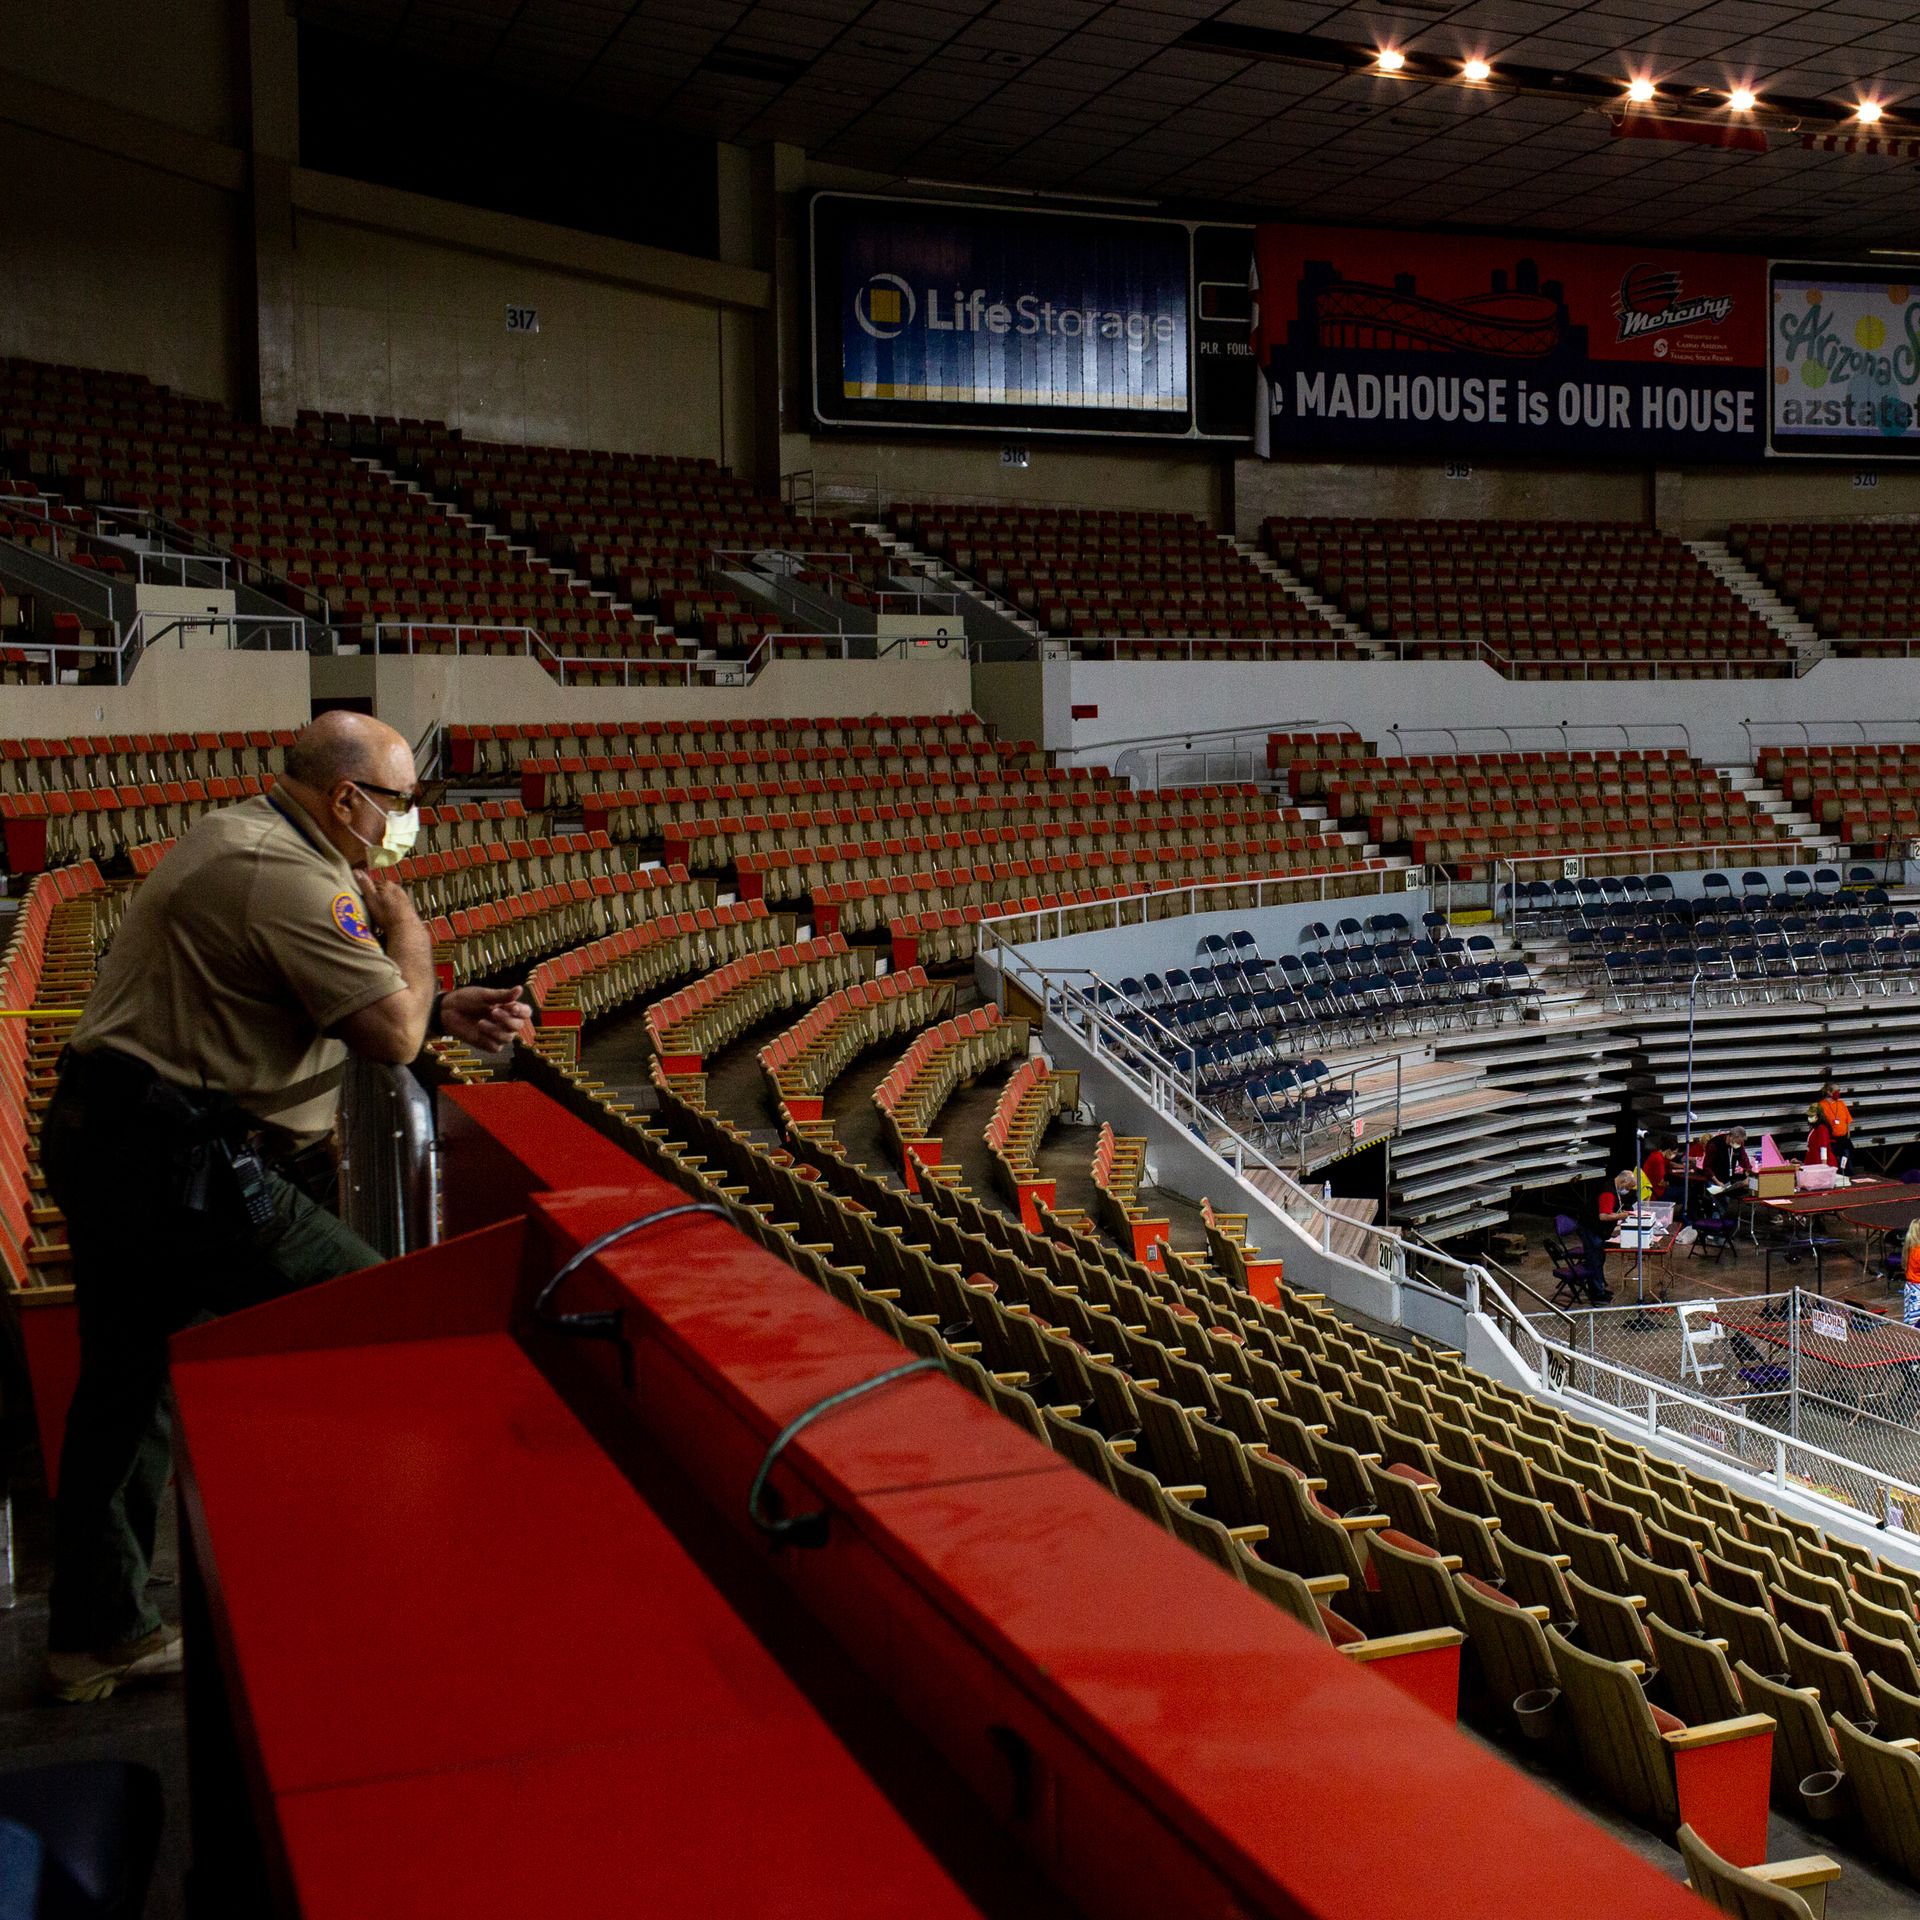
{"points": [[397, 835]]}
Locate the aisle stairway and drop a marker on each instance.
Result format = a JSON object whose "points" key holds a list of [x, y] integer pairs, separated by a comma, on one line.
{"points": [[1781, 615]]}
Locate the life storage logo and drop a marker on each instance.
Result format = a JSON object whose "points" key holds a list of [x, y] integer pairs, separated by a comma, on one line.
{"points": [[885, 307]]}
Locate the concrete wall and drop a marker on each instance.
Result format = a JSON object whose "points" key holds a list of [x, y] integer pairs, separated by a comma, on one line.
{"points": [[1423, 490], [177, 62], [415, 694], [1148, 698], [1692, 503], [1059, 473], [1701, 504], [108, 262], [171, 691], [400, 307]]}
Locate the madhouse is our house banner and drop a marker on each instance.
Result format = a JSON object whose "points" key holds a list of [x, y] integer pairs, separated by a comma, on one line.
{"points": [[1407, 343]]}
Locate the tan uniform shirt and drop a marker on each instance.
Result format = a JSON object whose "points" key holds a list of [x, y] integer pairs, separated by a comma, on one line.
{"points": [[243, 947]]}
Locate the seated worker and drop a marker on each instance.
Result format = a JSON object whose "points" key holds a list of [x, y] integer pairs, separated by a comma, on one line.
{"points": [[1729, 1170], [1629, 1189], [1839, 1123], [1820, 1143]]}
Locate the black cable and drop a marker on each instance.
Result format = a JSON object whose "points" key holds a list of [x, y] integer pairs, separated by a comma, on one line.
{"points": [[810, 1529], [610, 1323]]}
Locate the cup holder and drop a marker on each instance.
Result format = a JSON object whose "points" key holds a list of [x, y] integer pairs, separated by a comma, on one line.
{"points": [[1535, 1711], [1820, 1794]]}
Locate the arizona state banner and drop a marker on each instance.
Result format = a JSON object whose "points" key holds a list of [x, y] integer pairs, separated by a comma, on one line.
{"points": [[1415, 343]]}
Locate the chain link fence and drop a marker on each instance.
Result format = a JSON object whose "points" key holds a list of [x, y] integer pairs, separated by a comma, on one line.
{"points": [[1791, 1386]]}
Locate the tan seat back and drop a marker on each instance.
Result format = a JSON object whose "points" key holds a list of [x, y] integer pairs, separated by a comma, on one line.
{"points": [[1886, 1794], [1614, 1730], [1734, 1890], [1699, 1681], [1802, 1745]]}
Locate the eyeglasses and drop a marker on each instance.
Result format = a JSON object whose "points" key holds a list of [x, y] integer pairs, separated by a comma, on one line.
{"points": [[402, 802]]}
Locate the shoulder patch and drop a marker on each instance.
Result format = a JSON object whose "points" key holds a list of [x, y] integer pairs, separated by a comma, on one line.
{"points": [[349, 918]]}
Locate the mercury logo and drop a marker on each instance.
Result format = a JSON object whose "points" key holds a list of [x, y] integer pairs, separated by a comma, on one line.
{"points": [[885, 306]]}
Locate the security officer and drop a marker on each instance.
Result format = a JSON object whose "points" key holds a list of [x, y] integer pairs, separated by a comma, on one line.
{"points": [[263, 948]]}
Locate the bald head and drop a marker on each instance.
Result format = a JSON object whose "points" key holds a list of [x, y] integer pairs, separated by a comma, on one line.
{"points": [[349, 746], [346, 770]]}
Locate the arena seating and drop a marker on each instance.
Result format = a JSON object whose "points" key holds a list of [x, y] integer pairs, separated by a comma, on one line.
{"points": [[802, 1062], [1034, 1094], [952, 1054], [1119, 581], [1858, 584], [1540, 599], [1243, 1024], [333, 539], [658, 532], [45, 976], [1799, 942], [1168, 1379], [1869, 796], [721, 1005], [1119, 1166], [499, 751], [1473, 1468], [513, 929], [1469, 811]]}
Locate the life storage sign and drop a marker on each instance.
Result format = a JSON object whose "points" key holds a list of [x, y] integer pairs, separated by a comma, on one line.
{"points": [[938, 314], [1412, 343]]}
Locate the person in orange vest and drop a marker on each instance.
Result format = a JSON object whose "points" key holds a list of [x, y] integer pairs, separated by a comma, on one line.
{"points": [[1838, 1117], [1910, 1291]]}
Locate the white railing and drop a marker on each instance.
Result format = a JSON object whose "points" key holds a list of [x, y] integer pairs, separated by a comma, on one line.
{"points": [[1696, 1422], [1024, 926], [1172, 1095], [1891, 731], [236, 632], [1513, 871], [692, 670], [1635, 736]]}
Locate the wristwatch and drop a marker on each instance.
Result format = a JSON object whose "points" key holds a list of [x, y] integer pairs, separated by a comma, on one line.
{"points": [[434, 1028]]}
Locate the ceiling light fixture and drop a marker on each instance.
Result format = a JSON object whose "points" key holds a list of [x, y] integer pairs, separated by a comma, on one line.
{"points": [[1741, 100], [1391, 59], [1640, 90], [1868, 111], [1476, 69]]}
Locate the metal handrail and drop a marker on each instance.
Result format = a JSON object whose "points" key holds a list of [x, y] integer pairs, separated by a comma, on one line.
{"points": [[1512, 1283], [1553, 1366], [1625, 729], [989, 934], [1654, 860], [1175, 1101], [1865, 732]]}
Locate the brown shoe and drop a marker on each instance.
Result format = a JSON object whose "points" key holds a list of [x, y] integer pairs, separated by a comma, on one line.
{"points": [[82, 1678]]}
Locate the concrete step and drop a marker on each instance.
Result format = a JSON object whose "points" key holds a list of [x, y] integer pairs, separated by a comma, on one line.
{"points": [[1745, 584], [1264, 563]]}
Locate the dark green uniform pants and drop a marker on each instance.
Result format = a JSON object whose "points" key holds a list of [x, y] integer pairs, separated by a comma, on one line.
{"points": [[143, 1269]]}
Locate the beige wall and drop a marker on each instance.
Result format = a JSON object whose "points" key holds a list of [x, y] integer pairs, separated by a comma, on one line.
{"points": [[171, 691], [1422, 490], [388, 323], [967, 466], [107, 263], [1703, 501], [413, 694], [173, 60]]}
